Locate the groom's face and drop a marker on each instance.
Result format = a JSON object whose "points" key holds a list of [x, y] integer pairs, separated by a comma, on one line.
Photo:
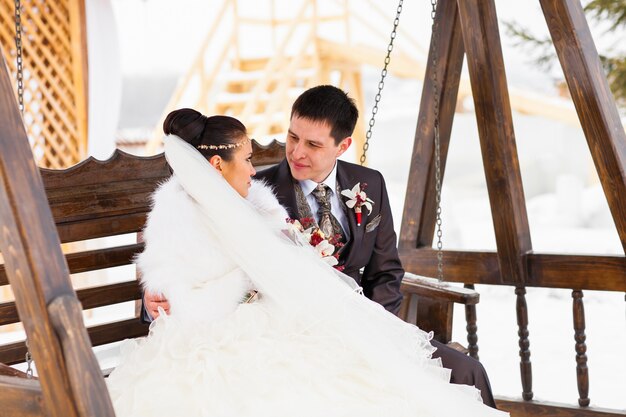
{"points": [[311, 151]]}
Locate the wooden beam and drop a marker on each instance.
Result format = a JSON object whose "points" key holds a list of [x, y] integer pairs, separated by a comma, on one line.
{"points": [[593, 100], [84, 373], [31, 249], [27, 246], [466, 267], [584, 272], [418, 221], [113, 332], [94, 260], [89, 297], [106, 226], [265, 155], [520, 408], [6, 370], [13, 353], [481, 38], [404, 66], [432, 289], [121, 166], [21, 397]]}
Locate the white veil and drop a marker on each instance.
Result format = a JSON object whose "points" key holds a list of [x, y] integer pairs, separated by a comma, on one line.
{"points": [[293, 278]]}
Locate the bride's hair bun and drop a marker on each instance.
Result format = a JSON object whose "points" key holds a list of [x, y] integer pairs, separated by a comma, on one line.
{"points": [[187, 124], [212, 132]]}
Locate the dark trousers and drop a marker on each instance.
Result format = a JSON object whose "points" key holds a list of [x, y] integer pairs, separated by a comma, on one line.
{"points": [[465, 370]]}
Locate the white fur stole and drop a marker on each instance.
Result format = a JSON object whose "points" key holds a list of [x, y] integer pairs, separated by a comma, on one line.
{"points": [[183, 259]]}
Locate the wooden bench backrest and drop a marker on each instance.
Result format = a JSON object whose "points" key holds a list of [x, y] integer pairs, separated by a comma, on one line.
{"points": [[96, 199]]}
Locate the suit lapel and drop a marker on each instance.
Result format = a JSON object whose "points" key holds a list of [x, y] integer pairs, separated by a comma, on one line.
{"points": [[285, 191], [346, 180]]}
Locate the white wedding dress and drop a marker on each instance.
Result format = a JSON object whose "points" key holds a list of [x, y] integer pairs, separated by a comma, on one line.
{"points": [[310, 346]]}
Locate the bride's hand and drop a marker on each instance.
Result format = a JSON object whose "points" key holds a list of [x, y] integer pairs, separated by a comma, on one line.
{"points": [[152, 302]]}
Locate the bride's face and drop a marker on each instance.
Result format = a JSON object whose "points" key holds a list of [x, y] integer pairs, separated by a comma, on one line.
{"points": [[239, 170]]}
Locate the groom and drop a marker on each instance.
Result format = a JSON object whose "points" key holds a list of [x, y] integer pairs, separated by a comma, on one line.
{"points": [[322, 121], [320, 130]]}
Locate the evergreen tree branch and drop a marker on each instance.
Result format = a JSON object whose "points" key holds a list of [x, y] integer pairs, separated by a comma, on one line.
{"points": [[541, 50], [615, 68], [542, 53], [612, 10]]}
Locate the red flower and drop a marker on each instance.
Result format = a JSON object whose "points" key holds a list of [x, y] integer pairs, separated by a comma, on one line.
{"points": [[316, 238], [326, 247]]}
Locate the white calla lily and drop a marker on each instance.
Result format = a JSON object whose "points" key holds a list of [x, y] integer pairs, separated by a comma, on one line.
{"points": [[324, 248], [357, 198], [330, 260]]}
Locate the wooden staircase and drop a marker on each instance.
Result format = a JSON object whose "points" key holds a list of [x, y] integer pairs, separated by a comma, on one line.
{"points": [[264, 117], [259, 88]]}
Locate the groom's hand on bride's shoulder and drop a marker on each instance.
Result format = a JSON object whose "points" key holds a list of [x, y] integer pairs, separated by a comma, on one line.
{"points": [[152, 302]]}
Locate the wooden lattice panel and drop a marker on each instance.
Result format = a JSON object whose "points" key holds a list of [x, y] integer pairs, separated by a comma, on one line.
{"points": [[55, 71]]}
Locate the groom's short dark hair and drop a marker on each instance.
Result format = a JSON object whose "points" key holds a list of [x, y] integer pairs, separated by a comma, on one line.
{"points": [[328, 104]]}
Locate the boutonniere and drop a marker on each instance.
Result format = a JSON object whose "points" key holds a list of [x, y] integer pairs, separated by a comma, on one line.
{"points": [[356, 199]]}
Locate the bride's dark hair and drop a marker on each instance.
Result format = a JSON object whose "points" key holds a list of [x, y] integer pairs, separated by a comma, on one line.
{"points": [[205, 133]]}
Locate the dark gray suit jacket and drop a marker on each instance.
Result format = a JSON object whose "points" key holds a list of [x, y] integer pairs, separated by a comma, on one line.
{"points": [[372, 248]]}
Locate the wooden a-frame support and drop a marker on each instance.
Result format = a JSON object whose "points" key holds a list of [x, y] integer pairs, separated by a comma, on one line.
{"points": [[470, 27], [598, 116]]}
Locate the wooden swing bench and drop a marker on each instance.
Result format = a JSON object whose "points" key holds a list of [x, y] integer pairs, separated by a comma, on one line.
{"points": [[95, 200]]}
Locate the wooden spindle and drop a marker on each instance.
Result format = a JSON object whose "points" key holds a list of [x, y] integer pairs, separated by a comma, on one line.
{"points": [[471, 327], [582, 372], [524, 344]]}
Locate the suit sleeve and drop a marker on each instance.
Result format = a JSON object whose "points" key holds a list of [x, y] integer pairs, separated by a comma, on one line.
{"points": [[383, 273], [144, 317]]}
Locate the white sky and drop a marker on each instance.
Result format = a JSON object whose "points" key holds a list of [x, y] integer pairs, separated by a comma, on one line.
{"points": [[163, 35]]}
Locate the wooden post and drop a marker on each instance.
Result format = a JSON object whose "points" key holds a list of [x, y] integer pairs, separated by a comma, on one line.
{"points": [[471, 327], [481, 38], [34, 263], [582, 372], [497, 139], [418, 221], [593, 101], [80, 64], [525, 366]]}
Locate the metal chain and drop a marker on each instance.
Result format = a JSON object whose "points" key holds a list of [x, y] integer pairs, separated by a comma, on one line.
{"points": [[434, 50], [29, 362], [381, 83], [18, 47], [20, 100]]}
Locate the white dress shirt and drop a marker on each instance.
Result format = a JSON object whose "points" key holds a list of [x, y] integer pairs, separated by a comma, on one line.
{"points": [[335, 201]]}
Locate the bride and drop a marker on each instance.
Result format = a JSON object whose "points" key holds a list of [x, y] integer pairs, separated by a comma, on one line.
{"points": [[308, 344]]}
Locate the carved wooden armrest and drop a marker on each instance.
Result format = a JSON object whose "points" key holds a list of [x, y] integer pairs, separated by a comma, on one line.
{"points": [[6, 370], [429, 304], [431, 288]]}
